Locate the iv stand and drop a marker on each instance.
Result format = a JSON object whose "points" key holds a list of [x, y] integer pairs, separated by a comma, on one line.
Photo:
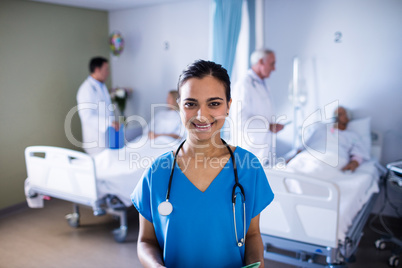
{"points": [[296, 104]]}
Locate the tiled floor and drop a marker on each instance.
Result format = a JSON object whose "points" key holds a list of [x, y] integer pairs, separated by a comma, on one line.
{"points": [[42, 238]]}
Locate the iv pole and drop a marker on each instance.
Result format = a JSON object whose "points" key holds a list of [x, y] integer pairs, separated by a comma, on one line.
{"points": [[296, 103], [297, 106]]}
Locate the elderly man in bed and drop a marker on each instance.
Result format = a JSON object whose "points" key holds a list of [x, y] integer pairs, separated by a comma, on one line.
{"points": [[343, 148], [349, 140]]}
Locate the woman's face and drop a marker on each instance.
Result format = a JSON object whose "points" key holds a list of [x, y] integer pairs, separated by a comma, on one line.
{"points": [[203, 107]]}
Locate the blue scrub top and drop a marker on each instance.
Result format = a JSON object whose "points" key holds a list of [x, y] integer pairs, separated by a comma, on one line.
{"points": [[200, 230]]}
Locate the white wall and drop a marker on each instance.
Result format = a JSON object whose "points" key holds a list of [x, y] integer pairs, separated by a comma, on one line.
{"points": [[145, 65], [363, 71]]}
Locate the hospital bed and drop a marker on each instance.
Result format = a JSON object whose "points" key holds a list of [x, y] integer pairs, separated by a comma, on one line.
{"points": [[103, 182], [316, 221]]}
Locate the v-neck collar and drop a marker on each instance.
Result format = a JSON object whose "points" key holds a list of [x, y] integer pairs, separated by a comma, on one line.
{"points": [[214, 181]]}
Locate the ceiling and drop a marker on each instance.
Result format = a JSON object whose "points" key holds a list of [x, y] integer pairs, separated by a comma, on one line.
{"points": [[107, 5]]}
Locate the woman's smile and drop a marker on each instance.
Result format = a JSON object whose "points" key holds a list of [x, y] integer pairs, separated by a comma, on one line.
{"points": [[203, 126]]}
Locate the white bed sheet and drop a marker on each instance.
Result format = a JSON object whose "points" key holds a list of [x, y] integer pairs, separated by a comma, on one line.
{"points": [[355, 188], [118, 171]]}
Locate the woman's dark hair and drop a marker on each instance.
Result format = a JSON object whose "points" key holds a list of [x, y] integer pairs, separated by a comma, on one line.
{"points": [[200, 69], [96, 62]]}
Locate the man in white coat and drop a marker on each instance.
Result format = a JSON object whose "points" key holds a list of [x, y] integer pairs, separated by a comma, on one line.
{"points": [[252, 111], [95, 108]]}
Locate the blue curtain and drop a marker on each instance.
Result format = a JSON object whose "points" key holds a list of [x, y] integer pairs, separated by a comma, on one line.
{"points": [[251, 16], [226, 29]]}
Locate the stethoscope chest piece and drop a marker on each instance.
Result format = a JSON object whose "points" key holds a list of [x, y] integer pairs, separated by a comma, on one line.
{"points": [[165, 208]]}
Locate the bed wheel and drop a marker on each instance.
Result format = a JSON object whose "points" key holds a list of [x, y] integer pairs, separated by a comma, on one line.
{"points": [[393, 261], [380, 244], [73, 220], [120, 234]]}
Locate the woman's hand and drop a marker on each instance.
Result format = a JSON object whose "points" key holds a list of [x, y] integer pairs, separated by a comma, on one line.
{"points": [[254, 247], [148, 249]]}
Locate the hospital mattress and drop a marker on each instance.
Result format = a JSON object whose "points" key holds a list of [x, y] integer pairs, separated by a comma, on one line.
{"points": [[103, 182], [316, 213], [118, 171]]}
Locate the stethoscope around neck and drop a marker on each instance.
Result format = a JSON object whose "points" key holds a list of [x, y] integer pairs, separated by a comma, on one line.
{"points": [[165, 208]]}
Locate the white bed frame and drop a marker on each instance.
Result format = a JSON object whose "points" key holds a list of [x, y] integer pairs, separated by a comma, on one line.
{"points": [[307, 234], [305, 230], [69, 175]]}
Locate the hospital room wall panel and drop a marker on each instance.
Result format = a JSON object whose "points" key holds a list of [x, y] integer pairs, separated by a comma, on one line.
{"points": [[359, 66], [45, 51], [160, 41], [361, 71]]}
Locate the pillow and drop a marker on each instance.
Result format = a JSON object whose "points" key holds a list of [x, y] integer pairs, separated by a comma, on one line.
{"points": [[363, 129]]}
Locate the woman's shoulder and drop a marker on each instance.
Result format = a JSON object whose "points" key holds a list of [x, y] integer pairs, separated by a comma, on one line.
{"points": [[249, 166], [246, 156], [164, 160], [243, 152]]}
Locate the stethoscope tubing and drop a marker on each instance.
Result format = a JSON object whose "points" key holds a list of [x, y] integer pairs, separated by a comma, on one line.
{"points": [[172, 171], [236, 185]]}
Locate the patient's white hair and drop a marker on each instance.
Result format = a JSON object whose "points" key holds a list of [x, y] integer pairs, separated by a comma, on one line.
{"points": [[259, 54], [348, 112]]}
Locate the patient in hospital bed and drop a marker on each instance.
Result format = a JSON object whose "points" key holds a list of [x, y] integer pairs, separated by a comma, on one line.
{"points": [[338, 153], [333, 174], [118, 171], [167, 122], [331, 149]]}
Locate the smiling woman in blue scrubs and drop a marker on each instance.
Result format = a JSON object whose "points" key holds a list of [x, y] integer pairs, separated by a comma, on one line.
{"points": [[202, 227]]}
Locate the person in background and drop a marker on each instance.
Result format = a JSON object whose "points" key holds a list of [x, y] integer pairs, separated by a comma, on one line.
{"points": [[349, 141], [337, 142], [197, 225], [252, 113], [167, 122], [94, 107]]}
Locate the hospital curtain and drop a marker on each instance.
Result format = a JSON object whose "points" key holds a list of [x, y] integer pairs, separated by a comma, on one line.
{"points": [[252, 35], [226, 28], [247, 42]]}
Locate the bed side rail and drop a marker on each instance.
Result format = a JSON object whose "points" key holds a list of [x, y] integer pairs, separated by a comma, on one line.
{"points": [[304, 209], [61, 173]]}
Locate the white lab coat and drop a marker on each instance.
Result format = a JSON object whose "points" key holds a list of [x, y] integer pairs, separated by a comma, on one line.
{"points": [[250, 115], [96, 114]]}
